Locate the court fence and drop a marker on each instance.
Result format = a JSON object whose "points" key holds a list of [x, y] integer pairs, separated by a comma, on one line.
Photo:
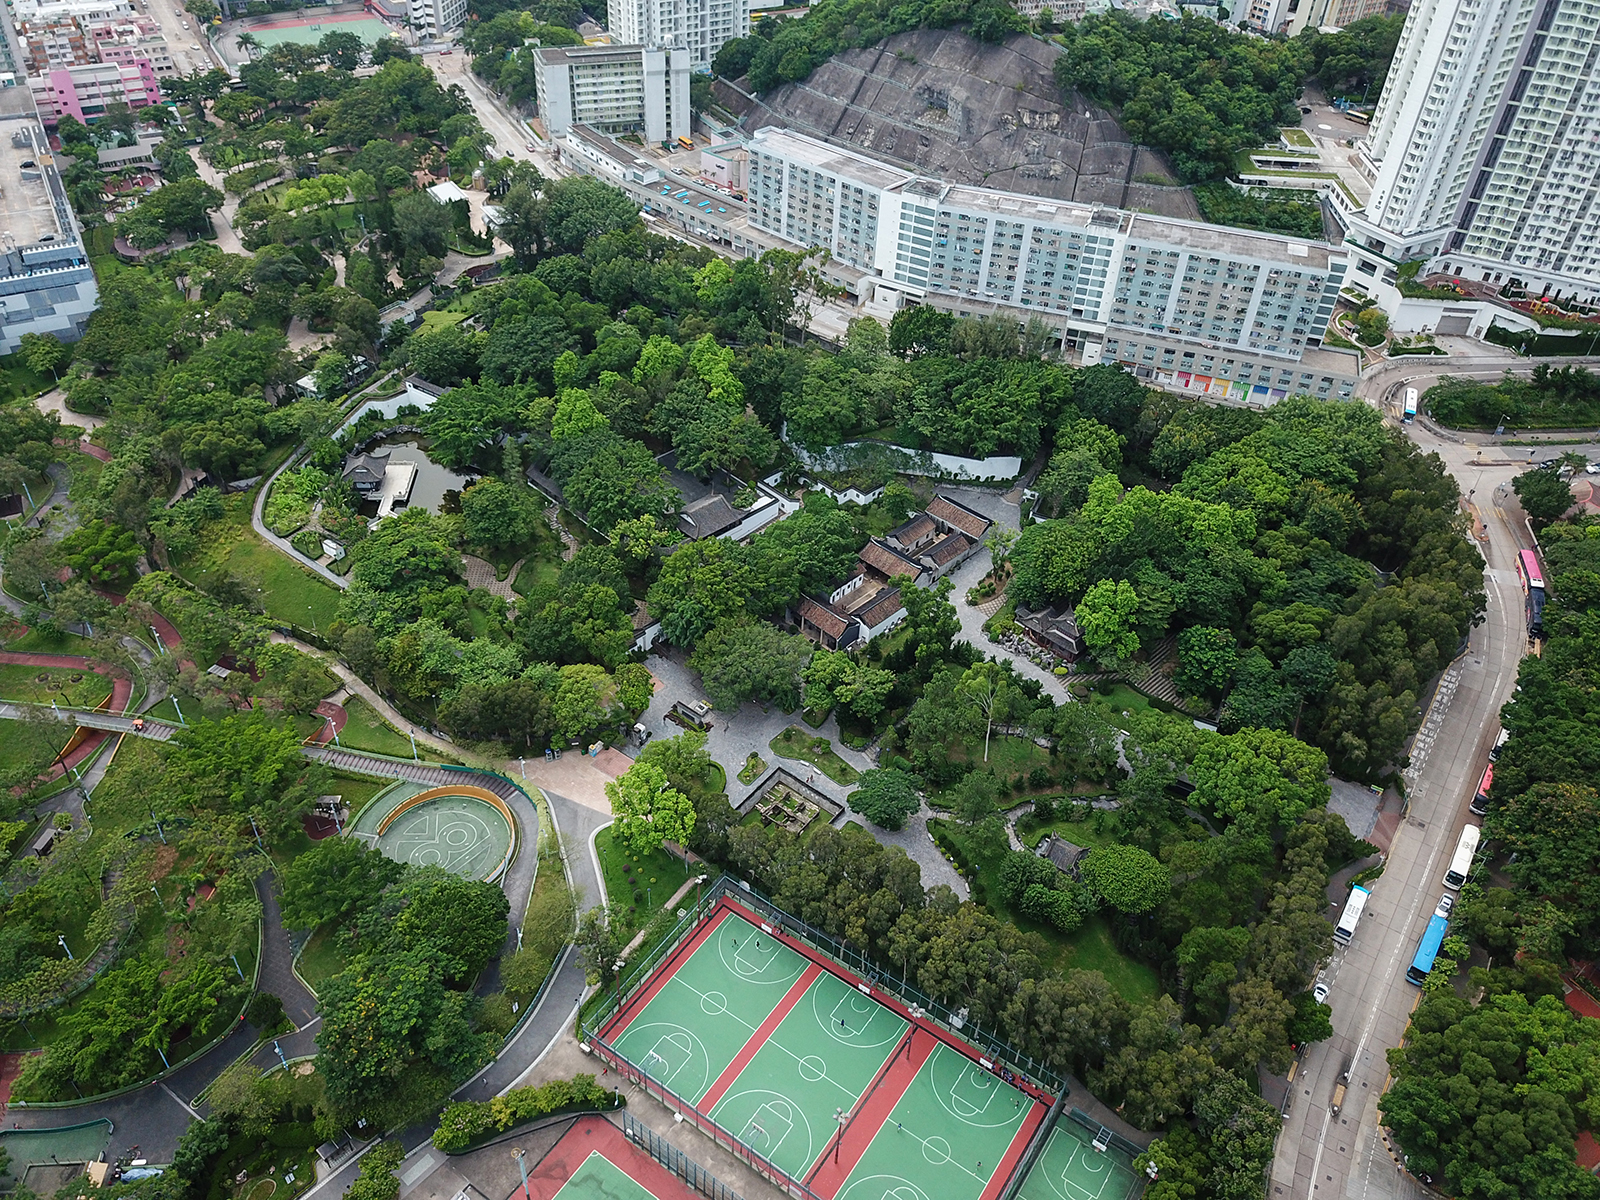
{"points": [[1115, 1140], [995, 1051], [1035, 1148], [636, 976], [675, 1160], [722, 1136]]}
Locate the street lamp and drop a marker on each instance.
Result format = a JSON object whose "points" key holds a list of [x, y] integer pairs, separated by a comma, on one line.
{"points": [[62, 939], [841, 1117], [522, 1165]]}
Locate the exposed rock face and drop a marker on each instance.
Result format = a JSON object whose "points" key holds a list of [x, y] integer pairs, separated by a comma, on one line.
{"points": [[939, 102]]}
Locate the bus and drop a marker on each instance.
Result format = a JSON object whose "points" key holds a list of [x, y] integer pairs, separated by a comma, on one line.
{"points": [[685, 143], [1466, 850], [1411, 405], [1432, 936], [1480, 802], [1346, 928], [1533, 593]]}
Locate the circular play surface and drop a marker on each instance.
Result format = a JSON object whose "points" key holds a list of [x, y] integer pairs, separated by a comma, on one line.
{"points": [[468, 832]]}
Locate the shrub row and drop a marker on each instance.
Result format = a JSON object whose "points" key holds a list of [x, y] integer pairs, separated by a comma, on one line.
{"points": [[469, 1123]]}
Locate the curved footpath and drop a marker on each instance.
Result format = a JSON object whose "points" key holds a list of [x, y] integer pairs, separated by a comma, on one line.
{"points": [[155, 1116]]}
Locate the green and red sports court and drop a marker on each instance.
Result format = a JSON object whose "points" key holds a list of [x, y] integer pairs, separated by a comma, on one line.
{"points": [[828, 1082]]}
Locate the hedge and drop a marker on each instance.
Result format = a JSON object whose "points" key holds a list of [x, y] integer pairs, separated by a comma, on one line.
{"points": [[469, 1123]]}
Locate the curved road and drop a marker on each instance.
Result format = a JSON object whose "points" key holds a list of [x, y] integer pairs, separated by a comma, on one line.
{"points": [[155, 1116], [1320, 1154]]}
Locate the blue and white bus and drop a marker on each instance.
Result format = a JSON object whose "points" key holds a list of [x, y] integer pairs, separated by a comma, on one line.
{"points": [[1438, 924]]}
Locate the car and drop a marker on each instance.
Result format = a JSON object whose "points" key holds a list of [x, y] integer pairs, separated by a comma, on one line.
{"points": [[1320, 993], [532, 149], [1592, 469], [195, 47], [1446, 903]]}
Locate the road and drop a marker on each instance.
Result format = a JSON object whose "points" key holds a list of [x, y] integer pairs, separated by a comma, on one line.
{"points": [[1320, 1154], [191, 49], [510, 134]]}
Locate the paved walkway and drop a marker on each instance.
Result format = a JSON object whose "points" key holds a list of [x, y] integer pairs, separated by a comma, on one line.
{"points": [[481, 574], [734, 736], [55, 401]]}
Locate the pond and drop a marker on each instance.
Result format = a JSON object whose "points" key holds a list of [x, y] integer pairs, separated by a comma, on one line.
{"points": [[433, 483]]}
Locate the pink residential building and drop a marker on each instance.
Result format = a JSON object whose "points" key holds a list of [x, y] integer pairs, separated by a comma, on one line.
{"points": [[86, 91]]}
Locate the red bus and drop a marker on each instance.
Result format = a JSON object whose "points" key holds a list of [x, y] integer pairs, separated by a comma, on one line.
{"points": [[1528, 573], [1533, 594], [1480, 802]]}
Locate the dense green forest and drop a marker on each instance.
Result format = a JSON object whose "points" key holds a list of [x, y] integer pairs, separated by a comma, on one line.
{"points": [[1498, 1076], [1310, 563]]}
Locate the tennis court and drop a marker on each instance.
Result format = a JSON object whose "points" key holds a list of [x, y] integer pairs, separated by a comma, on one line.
{"points": [[1072, 1169], [806, 1068]]}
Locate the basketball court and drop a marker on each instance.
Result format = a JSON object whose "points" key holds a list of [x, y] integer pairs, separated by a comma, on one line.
{"points": [[803, 1065], [1071, 1168]]}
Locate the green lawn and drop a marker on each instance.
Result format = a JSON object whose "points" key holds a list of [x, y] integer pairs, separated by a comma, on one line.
{"points": [[536, 572], [67, 686], [321, 960], [796, 743], [1120, 699], [36, 641], [754, 764], [1088, 948], [438, 319], [18, 380], [1091, 949], [640, 899], [366, 730], [1008, 756], [286, 592], [357, 790]]}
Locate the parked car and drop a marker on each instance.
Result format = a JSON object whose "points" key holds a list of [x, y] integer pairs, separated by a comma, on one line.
{"points": [[1320, 993]]}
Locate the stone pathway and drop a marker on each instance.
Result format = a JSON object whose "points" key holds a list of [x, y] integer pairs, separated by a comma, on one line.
{"points": [[480, 574], [734, 736], [569, 544]]}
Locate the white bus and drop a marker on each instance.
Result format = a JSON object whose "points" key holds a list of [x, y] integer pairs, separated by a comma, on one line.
{"points": [[1411, 404], [1466, 848], [1346, 928]]}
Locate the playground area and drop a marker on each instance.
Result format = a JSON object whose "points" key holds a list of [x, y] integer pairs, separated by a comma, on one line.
{"points": [[308, 31], [805, 1067], [304, 29], [466, 830]]}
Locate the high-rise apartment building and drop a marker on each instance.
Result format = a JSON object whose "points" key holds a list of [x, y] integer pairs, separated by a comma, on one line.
{"points": [[1485, 145], [698, 26], [1168, 297], [615, 89]]}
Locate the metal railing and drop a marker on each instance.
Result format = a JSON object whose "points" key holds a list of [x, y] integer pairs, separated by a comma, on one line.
{"points": [[675, 1160], [923, 1009], [922, 1006], [1035, 1148], [719, 1134]]}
